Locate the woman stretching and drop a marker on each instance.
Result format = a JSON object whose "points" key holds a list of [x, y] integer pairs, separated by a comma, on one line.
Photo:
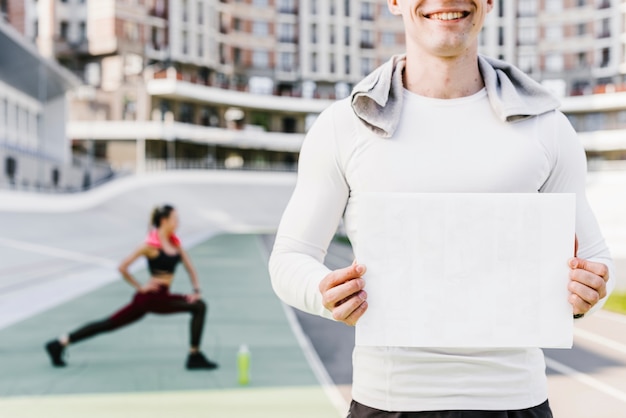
{"points": [[163, 250]]}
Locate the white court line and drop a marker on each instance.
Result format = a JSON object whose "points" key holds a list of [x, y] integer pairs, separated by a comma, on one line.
{"points": [[57, 252], [586, 379], [599, 339], [610, 316], [320, 372]]}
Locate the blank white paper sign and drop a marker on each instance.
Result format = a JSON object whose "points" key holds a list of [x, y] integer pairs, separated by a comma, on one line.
{"points": [[465, 270]]}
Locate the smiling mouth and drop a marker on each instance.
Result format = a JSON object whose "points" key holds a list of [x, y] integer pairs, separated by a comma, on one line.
{"points": [[447, 15]]}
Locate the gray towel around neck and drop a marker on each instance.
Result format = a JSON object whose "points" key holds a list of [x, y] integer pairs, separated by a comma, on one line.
{"points": [[514, 96]]}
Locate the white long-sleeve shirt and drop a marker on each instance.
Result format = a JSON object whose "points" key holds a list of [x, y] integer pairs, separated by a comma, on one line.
{"points": [[455, 145]]}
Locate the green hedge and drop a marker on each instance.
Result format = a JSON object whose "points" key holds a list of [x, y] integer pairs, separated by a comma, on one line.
{"points": [[616, 302]]}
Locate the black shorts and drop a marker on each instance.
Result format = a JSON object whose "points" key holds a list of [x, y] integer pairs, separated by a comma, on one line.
{"points": [[361, 411]]}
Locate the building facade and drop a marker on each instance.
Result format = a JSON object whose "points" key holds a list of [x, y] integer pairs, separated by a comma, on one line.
{"points": [[34, 147], [211, 81]]}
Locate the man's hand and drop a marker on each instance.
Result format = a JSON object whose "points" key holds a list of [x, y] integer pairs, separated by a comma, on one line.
{"points": [[343, 294], [587, 283]]}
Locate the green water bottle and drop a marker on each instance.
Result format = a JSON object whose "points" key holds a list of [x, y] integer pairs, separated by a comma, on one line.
{"points": [[243, 364]]}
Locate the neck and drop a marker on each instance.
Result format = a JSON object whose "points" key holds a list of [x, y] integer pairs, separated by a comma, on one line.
{"points": [[442, 77], [163, 233]]}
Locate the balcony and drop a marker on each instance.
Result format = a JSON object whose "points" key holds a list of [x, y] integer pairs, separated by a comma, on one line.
{"points": [[174, 84], [63, 47], [288, 10]]}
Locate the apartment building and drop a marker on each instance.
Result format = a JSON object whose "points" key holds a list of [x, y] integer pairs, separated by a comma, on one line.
{"points": [[576, 46], [34, 148], [213, 79]]}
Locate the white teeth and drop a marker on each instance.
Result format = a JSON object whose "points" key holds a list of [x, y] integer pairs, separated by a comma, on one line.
{"points": [[446, 16]]}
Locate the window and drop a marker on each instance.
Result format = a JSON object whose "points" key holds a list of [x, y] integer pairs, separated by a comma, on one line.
{"points": [[287, 6], [346, 35], [314, 62], [554, 5], [64, 30], [388, 38], [185, 43], [287, 33], [527, 35], [554, 63], [200, 46], [347, 64], [200, 13], [260, 28], [582, 59], [605, 28], [346, 8], [260, 3], [595, 121], [367, 65], [186, 113], [313, 33], [606, 57], [260, 59], [581, 29], [331, 62], [313, 7], [82, 29], [527, 8], [554, 33], [385, 12], [367, 11], [287, 61], [527, 63], [331, 34], [367, 39]]}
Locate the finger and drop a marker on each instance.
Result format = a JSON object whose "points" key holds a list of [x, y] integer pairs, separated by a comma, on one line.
{"points": [[597, 268], [588, 279], [343, 311], [340, 276], [585, 293], [335, 296], [356, 314], [579, 306]]}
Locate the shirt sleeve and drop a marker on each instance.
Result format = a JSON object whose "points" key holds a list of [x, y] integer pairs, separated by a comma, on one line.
{"points": [[568, 175], [310, 220]]}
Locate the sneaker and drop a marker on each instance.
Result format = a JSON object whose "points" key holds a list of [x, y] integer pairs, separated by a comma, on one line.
{"points": [[199, 361], [55, 351]]}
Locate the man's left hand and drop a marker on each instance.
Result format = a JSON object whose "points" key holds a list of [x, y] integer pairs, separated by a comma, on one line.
{"points": [[587, 283]]}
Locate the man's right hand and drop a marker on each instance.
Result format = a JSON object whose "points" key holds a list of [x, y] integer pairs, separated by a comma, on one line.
{"points": [[343, 294]]}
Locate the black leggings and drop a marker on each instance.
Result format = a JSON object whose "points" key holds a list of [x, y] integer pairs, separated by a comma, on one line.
{"points": [[160, 301], [358, 410]]}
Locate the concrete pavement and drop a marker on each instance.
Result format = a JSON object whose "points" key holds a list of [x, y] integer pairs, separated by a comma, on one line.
{"points": [[58, 265]]}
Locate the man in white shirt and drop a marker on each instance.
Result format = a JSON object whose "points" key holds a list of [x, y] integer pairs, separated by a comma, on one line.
{"points": [[440, 119]]}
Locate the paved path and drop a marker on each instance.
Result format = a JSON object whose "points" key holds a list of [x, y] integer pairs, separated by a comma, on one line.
{"points": [[139, 369], [58, 269]]}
